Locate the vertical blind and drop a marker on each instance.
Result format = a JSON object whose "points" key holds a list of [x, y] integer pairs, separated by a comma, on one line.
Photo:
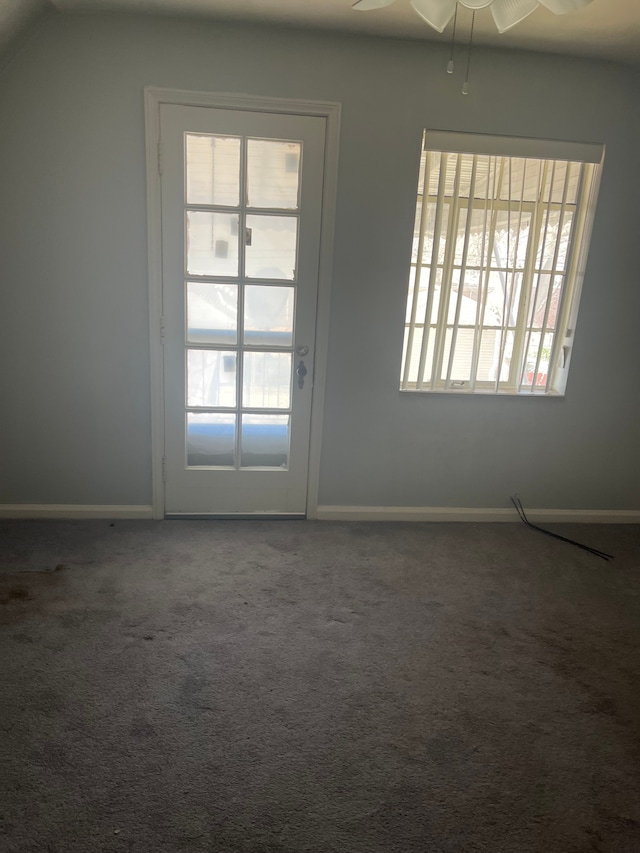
{"points": [[494, 263]]}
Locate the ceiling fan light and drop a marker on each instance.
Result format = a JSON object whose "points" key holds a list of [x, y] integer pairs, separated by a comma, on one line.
{"points": [[561, 7], [366, 5], [508, 13], [437, 13]]}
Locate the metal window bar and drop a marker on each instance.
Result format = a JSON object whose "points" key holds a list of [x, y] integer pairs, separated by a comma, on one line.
{"points": [[508, 308], [433, 271], [481, 300], [447, 277], [463, 268], [552, 277], [522, 340], [504, 277], [418, 272], [497, 191], [541, 248], [582, 210]]}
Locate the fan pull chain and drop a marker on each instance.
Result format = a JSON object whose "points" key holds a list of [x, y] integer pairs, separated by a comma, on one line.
{"points": [[465, 85], [453, 40]]}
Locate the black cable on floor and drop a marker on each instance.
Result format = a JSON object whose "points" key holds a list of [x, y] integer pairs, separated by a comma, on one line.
{"points": [[515, 500]]}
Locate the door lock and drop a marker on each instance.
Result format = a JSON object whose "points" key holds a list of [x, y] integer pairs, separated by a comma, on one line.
{"points": [[302, 350], [302, 371]]}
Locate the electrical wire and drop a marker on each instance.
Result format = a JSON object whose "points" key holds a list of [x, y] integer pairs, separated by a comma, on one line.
{"points": [[515, 500], [465, 85], [453, 41]]}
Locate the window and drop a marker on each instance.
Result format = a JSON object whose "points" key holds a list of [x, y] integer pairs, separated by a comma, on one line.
{"points": [[500, 241]]}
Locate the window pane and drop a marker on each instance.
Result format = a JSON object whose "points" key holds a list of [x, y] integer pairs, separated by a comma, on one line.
{"points": [[423, 293], [273, 170], [490, 259], [211, 439], [554, 231], [501, 295], [213, 169], [416, 349], [212, 313], [537, 379], [564, 237], [510, 239], [545, 302], [268, 315], [427, 248], [488, 343], [414, 355], [464, 301], [211, 378], [267, 380], [212, 243], [462, 355], [271, 246], [265, 441]]}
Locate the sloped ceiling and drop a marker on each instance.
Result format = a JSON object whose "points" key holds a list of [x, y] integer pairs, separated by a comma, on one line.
{"points": [[607, 29]]}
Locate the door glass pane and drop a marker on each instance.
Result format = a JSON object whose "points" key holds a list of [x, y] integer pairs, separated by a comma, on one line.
{"points": [[212, 313], [267, 380], [211, 439], [271, 246], [268, 315], [213, 169], [273, 170], [211, 377], [212, 243], [265, 441]]}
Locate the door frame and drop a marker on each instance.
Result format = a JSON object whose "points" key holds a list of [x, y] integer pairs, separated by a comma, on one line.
{"points": [[153, 98]]}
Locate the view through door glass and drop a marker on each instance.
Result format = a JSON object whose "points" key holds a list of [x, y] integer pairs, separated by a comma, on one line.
{"points": [[242, 222]]}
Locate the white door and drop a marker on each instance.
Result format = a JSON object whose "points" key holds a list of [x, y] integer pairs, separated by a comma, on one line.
{"points": [[241, 218]]}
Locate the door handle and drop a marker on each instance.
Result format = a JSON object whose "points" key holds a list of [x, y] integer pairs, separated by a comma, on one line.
{"points": [[302, 371]]}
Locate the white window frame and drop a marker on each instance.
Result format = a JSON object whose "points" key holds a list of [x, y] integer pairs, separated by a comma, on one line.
{"points": [[420, 376]]}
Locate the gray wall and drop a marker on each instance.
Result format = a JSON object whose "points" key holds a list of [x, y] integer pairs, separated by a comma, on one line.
{"points": [[74, 388]]}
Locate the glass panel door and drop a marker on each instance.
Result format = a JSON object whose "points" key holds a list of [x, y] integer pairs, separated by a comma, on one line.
{"points": [[242, 196]]}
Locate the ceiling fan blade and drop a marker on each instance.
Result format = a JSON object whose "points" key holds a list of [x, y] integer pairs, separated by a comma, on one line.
{"points": [[475, 4], [561, 7], [508, 13], [437, 13], [366, 5]]}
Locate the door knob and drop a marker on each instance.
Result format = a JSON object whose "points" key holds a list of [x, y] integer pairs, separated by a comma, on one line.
{"points": [[302, 371]]}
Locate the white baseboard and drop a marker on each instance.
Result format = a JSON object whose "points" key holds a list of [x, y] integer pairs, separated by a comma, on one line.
{"points": [[346, 513], [74, 511], [472, 514]]}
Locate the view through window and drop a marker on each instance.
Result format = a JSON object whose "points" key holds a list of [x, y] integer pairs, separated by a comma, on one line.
{"points": [[498, 254]]}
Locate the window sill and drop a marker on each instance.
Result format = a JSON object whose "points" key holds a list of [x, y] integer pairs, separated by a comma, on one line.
{"points": [[453, 392]]}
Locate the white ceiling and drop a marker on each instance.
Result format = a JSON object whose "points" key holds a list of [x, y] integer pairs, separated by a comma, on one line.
{"points": [[608, 29]]}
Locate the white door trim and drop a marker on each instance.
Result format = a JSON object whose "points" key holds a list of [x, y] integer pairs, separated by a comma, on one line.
{"points": [[153, 98]]}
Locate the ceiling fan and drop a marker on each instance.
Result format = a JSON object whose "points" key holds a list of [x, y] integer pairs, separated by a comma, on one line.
{"points": [[506, 13]]}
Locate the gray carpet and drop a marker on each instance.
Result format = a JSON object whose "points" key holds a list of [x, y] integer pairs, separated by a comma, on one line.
{"points": [[299, 686]]}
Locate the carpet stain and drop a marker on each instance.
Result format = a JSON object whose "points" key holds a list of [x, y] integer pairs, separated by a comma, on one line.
{"points": [[606, 705], [27, 593], [16, 593], [142, 729]]}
